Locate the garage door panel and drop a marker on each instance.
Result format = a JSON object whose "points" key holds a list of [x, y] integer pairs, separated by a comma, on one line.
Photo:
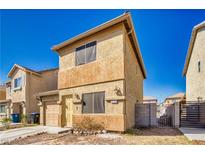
{"points": [[51, 115]]}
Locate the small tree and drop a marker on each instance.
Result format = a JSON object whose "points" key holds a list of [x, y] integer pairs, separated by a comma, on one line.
{"points": [[6, 121]]}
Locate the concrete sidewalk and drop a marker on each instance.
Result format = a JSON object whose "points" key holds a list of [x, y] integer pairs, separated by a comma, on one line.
{"points": [[12, 134], [194, 133]]}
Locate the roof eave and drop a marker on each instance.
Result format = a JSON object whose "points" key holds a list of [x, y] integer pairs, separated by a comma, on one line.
{"points": [[91, 31], [121, 18], [191, 44], [22, 68]]}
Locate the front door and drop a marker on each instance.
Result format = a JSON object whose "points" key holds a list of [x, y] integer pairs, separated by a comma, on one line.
{"points": [[67, 111]]}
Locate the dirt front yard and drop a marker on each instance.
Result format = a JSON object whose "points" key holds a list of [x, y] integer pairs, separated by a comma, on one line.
{"points": [[151, 136]]}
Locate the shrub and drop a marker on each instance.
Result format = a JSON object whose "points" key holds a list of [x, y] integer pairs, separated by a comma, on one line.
{"points": [[6, 121], [24, 119], [88, 123]]}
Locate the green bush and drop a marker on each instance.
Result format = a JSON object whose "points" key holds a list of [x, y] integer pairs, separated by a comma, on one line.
{"points": [[24, 119], [6, 121]]}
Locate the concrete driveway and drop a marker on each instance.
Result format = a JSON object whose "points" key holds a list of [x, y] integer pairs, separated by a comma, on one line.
{"points": [[194, 133], [12, 134]]}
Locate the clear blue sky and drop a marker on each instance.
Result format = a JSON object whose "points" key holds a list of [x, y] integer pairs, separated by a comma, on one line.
{"points": [[163, 35]]}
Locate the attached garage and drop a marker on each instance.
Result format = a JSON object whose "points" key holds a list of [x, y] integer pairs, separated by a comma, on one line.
{"points": [[51, 113], [50, 109]]}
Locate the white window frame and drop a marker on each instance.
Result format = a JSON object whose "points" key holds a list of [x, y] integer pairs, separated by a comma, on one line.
{"points": [[20, 84]]}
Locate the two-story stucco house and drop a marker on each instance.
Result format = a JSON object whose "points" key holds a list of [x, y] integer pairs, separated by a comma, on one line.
{"points": [[101, 73], [24, 83], [194, 68]]}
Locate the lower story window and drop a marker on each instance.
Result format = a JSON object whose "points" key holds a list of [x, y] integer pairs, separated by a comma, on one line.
{"points": [[2, 108], [94, 102]]}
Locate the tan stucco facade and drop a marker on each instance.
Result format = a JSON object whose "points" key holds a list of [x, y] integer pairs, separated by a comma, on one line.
{"points": [[22, 100], [195, 81], [116, 71], [2, 93]]}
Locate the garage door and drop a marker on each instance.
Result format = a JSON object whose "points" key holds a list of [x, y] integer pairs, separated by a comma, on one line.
{"points": [[51, 113]]}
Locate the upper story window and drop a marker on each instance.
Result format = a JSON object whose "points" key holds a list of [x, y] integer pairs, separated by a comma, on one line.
{"points": [[18, 82], [85, 53], [199, 66]]}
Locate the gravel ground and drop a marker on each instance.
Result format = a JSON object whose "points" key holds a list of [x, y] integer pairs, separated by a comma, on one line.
{"points": [[159, 136]]}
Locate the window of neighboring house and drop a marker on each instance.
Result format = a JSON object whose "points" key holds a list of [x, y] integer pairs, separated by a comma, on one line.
{"points": [[17, 82], [2, 108], [199, 66], [85, 53], [94, 102]]}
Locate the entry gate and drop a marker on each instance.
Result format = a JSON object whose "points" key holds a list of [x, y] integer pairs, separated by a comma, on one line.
{"points": [[192, 114]]}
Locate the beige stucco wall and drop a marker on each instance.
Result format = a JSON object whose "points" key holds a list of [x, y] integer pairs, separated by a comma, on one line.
{"points": [[2, 94], [46, 82], [133, 83], [31, 85], [107, 87], [195, 81], [109, 57], [114, 113], [116, 67], [19, 95], [8, 93]]}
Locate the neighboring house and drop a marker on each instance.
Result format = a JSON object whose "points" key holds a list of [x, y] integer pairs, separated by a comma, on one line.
{"points": [[101, 75], [2, 97], [194, 68], [149, 99], [24, 83], [2, 92], [166, 107], [174, 98]]}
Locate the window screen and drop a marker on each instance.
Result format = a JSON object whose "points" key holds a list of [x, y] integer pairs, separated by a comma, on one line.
{"points": [[94, 102], [90, 52], [99, 105], [86, 53], [87, 103]]}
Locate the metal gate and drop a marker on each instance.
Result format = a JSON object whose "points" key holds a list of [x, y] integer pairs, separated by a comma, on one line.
{"points": [[164, 121], [192, 114]]}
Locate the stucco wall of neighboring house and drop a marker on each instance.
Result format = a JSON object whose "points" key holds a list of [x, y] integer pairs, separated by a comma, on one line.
{"points": [[46, 82], [19, 95], [133, 83], [195, 81], [2, 94], [8, 92], [109, 57]]}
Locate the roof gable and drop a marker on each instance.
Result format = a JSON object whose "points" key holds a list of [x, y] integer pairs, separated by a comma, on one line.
{"points": [[25, 69], [191, 45], [177, 96], [127, 21]]}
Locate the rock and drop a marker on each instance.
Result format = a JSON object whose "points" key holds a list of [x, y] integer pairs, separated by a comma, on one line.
{"points": [[104, 131]]}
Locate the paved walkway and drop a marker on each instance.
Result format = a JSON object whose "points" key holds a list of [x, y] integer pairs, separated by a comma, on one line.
{"points": [[12, 134], [194, 133]]}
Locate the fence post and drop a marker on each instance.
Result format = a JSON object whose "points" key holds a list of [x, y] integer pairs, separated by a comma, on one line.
{"points": [[176, 114]]}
